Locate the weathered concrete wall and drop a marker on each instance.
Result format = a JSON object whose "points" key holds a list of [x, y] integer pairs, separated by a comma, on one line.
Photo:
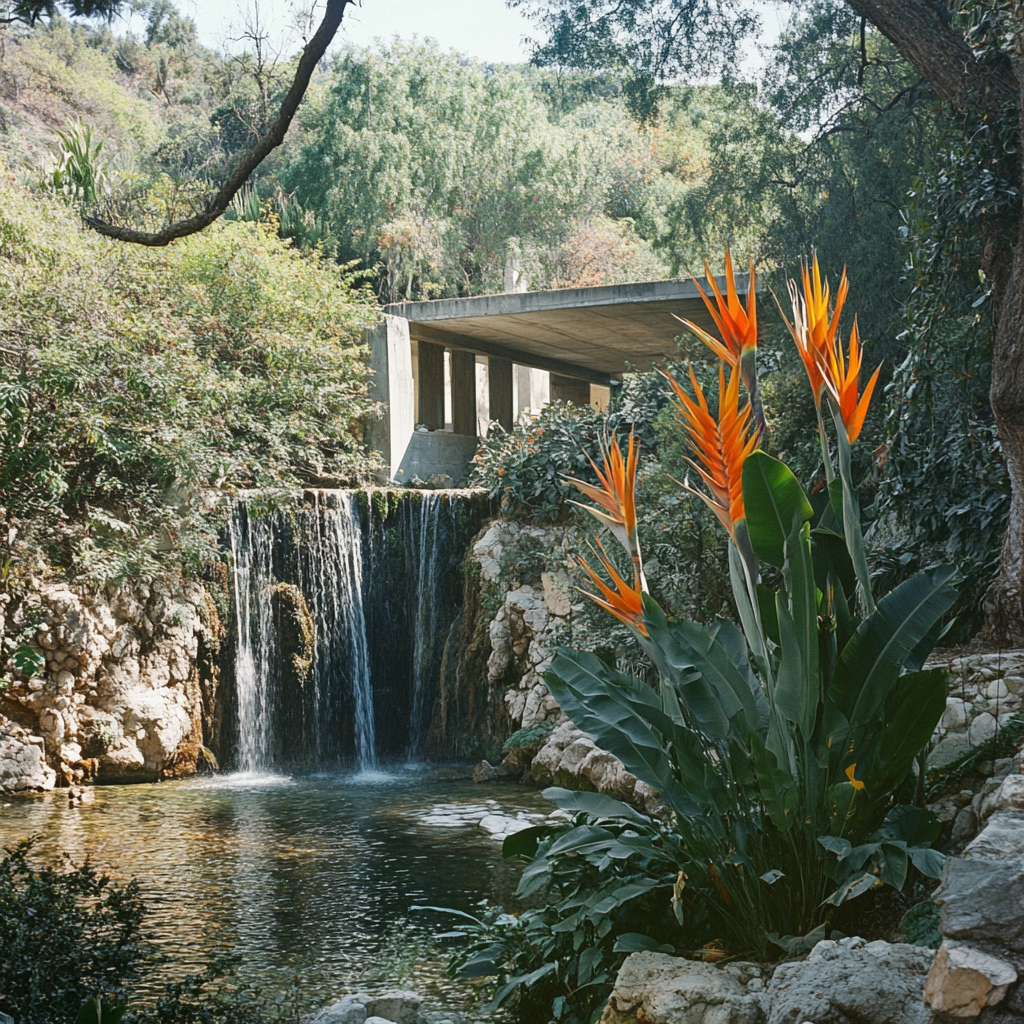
{"points": [[127, 685]]}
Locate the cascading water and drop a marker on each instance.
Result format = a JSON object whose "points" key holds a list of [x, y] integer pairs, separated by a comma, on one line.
{"points": [[252, 542], [331, 573], [427, 563], [342, 609]]}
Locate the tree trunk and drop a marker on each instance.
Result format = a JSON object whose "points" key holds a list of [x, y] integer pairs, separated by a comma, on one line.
{"points": [[1004, 265], [942, 57]]}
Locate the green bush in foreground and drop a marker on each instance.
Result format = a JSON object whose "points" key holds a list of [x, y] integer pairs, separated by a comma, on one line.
{"points": [[66, 937]]}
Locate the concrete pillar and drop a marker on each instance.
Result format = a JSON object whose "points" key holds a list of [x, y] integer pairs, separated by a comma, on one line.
{"points": [[499, 391], [389, 433], [570, 389], [463, 392], [532, 390], [482, 388], [431, 385]]}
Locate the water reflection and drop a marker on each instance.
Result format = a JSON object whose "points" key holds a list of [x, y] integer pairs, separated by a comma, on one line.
{"points": [[298, 874]]}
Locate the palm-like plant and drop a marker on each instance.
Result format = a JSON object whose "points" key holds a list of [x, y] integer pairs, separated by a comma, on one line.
{"points": [[780, 745]]}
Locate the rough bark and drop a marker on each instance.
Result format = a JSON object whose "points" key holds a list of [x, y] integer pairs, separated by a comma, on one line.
{"points": [[942, 57], [939, 54], [252, 158], [1004, 605]]}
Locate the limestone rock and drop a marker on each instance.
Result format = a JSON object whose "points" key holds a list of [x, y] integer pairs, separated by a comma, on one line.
{"points": [[349, 1010], [379, 1020], [982, 892], [485, 772], [963, 980], [399, 1005], [121, 700], [849, 980], [23, 767], [654, 988]]}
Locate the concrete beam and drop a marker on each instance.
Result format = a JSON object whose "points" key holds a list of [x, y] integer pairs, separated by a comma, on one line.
{"points": [[431, 385], [424, 332], [499, 391], [515, 303], [464, 393]]}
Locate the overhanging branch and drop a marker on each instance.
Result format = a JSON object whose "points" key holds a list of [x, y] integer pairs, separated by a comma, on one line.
{"points": [[940, 55], [252, 158]]}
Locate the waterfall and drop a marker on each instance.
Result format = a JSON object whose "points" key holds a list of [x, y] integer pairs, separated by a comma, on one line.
{"points": [[426, 534], [343, 605], [252, 542], [331, 573]]}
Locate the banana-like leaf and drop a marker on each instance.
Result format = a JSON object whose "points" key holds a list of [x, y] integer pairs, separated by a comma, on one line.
{"points": [[597, 805], [772, 497], [626, 718], [524, 842], [928, 861], [873, 659], [832, 558], [774, 785], [722, 700], [796, 684], [911, 715], [769, 617]]}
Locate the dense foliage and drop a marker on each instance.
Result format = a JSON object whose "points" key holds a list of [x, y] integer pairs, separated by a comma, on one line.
{"points": [[138, 382], [67, 936]]}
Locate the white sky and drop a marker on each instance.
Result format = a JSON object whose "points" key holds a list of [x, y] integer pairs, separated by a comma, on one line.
{"points": [[485, 29]]}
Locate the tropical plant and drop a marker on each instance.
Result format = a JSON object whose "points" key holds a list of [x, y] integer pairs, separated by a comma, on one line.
{"points": [[80, 174], [782, 747]]}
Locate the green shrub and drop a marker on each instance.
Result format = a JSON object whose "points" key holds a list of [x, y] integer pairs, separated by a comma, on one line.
{"points": [[139, 379], [67, 936]]}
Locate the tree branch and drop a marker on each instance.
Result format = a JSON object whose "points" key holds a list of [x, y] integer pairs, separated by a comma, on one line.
{"points": [[252, 158], [940, 55]]}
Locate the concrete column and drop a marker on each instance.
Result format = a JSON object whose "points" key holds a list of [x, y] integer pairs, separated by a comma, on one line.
{"points": [[569, 389], [390, 432], [499, 391], [431, 385], [532, 390], [463, 392]]}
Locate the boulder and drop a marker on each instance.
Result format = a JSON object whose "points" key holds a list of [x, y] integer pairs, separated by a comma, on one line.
{"points": [[379, 1020], [485, 772], [349, 1010], [982, 892], [23, 766], [963, 980], [654, 988], [852, 980], [398, 1005]]}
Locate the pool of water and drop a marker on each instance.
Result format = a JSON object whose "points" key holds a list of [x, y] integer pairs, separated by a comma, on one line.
{"points": [[310, 876]]}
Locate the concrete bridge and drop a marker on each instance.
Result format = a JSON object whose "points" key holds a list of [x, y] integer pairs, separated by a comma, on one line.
{"points": [[445, 369]]}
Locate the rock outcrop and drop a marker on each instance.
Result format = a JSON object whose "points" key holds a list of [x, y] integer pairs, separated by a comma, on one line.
{"points": [[119, 696], [839, 982]]}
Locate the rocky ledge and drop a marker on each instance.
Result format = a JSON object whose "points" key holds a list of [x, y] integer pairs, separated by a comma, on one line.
{"points": [[121, 695]]}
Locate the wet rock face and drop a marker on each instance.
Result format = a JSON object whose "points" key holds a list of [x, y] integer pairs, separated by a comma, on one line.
{"points": [[119, 699]]}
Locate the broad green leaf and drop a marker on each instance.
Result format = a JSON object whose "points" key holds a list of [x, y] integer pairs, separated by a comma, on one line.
{"points": [[637, 942], [870, 663], [853, 888], [597, 805], [722, 700], [769, 616], [928, 861], [524, 842], [915, 826], [772, 497], [796, 684], [625, 718]]}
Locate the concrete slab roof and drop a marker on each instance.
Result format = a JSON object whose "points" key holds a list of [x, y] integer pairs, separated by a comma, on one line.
{"points": [[592, 334]]}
